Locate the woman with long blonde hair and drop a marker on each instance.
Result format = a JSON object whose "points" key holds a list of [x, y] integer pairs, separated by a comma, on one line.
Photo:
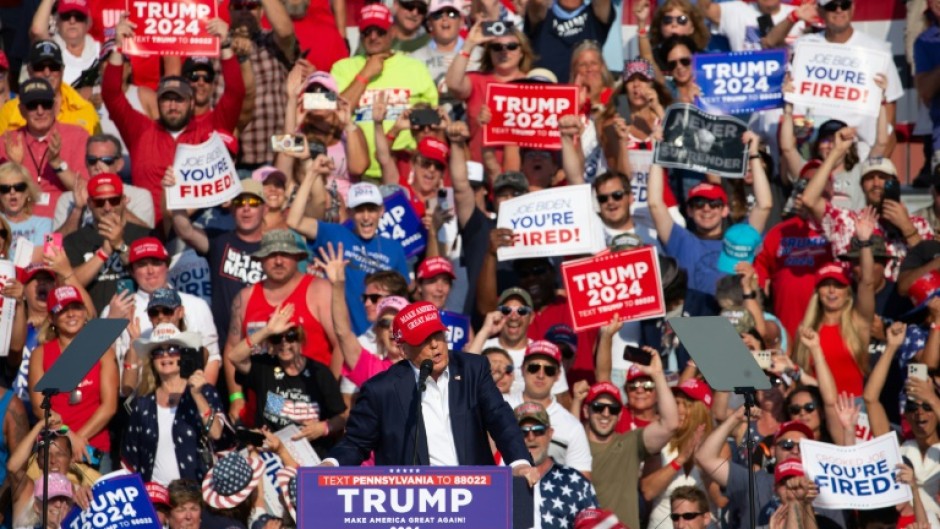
{"points": [[843, 324], [18, 193]]}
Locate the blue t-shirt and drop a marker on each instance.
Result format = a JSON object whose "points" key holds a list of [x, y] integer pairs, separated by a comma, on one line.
{"points": [[699, 257], [32, 229], [556, 36], [927, 58], [365, 257]]}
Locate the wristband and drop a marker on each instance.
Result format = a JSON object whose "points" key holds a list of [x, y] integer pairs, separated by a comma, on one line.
{"points": [[751, 295], [642, 31], [391, 137], [362, 79], [238, 395], [465, 53], [101, 255], [753, 157], [675, 465], [793, 16], [128, 365], [248, 340], [934, 326]]}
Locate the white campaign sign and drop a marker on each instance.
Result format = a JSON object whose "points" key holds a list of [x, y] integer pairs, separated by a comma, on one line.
{"points": [[205, 176], [7, 307], [838, 77], [855, 477], [551, 222]]}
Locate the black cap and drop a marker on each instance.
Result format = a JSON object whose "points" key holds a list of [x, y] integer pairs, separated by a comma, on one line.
{"points": [[36, 89], [194, 64], [45, 51]]}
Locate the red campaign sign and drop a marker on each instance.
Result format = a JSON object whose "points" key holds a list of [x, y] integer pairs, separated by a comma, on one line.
{"points": [[172, 27], [527, 114], [627, 283]]}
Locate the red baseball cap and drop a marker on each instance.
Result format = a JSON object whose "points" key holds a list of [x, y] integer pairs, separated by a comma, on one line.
{"points": [[62, 297], [924, 288], [375, 15], [791, 467], [543, 348], [832, 271], [434, 266], [35, 268], [695, 389], [604, 388], [157, 493], [709, 192], [634, 373], [4, 61], [147, 247], [70, 6], [793, 426], [105, 185], [434, 149], [416, 322]]}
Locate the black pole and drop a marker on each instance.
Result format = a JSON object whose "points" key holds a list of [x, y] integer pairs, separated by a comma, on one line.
{"points": [[749, 402], [45, 441]]}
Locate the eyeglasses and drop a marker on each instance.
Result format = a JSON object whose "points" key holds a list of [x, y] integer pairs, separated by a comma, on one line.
{"points": [[788, 444], [372, 298], [155, 312], [612, 408], [532, 271], [795, 409], [172, 350], [33, 105], [385, 323], [291, 336], [73, 16], [646, 385], [100, 202], [417, 5], [511, 46], [51, 66], [536, 429], [7, 189], [195, 77], [445, 13], [684, 61], [534, 368], [699, 203], [911, 406], [521, 310], [252, 202], [844, 5], [616, 195], [107, 160], [687, 516], [431, 164], [681, 20]]}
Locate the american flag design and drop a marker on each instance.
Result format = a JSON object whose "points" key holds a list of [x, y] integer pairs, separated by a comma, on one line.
{"points": [[231, 480], [293, 410]]}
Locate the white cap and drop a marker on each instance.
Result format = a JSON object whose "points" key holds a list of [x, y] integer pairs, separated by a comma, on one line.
{"points": [[475, 172], [364, 193]]}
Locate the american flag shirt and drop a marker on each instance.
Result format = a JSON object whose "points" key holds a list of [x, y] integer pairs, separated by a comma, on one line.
{"points": [[563, 492]]}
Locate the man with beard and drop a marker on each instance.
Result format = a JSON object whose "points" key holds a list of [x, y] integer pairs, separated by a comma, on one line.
{"points": [[270, 54], [152, 144], [362, 78]]}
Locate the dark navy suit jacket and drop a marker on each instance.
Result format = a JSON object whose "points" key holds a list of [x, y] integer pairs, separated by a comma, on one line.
{"points": [[384, 417]]}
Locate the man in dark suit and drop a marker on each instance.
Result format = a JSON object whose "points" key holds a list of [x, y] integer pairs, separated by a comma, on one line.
{"points": [[459, 406]]}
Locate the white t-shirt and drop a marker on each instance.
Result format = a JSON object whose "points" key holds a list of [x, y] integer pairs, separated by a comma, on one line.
{"points": [[165, 466], [75, 65], [927, 472], [739, 23], [517, 355], [569, 442]]}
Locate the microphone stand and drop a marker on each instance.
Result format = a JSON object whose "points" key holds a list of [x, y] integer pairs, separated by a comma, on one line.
{"points": [[45, 442], [750, 401]]}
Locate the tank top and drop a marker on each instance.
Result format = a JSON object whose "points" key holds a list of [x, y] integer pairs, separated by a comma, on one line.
{"points": [[258, 311], [76, 415], [845, 371]]}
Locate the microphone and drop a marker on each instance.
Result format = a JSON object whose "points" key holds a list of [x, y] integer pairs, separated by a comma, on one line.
{"points": [[423, 373]]}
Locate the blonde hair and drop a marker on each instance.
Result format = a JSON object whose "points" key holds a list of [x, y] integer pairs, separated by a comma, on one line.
{"points": [[697, 414], [32, 188], [528, 55], [850, 335], [586, 46]]}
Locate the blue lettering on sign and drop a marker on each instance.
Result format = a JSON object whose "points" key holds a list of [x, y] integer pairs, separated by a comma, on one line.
{"points": [[740, 82]]}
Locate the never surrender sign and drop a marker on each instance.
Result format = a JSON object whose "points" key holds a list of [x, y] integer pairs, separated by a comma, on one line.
{"points": [[527, 114], [205, 176], [702, 142], [172, 27], [626, 283], [741, 82], [855, 477], [393, 497], [838, 77]]}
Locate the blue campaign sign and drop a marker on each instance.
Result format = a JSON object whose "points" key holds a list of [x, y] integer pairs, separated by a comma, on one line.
{"points": [[401, 223], [458, 329], [740, 82], [116, 503], [393, 497]]}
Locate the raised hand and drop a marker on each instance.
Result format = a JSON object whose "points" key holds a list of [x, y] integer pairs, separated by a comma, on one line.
{"points": [[332, 263]]}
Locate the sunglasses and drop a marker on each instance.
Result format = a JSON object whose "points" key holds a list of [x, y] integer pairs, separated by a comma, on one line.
{"points": [[844, 5], [795, 409], [172, 350], [612, 408], [788, 444], [534, 368], [536, 429], [291, 336], [252, 202], [384, 323], [684, 61], [532, 271], [911, 406], [497, 47], [107, 160], [155, 312], [418, 6], [372, 298], [73, 16], [7, 189], [521, 310], [699, 203], [195, 77], [51, 66], [378, 32], [647, 385], [431, 164], [681, 20], [616, 195], [441, 14], [4, 233], [687, 516], [33, 105], [100, 202]]}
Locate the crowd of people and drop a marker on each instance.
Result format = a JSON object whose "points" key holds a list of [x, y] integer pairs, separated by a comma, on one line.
{"points": [[288, 306]]}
